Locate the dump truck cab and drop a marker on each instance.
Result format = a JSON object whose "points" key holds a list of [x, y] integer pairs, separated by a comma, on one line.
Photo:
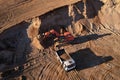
{"points": [[69, 64], [65, 59]]}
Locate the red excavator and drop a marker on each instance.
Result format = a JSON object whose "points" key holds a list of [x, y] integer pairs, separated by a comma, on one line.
{"points": [[58, 39], [50, 33], [63, 36]]}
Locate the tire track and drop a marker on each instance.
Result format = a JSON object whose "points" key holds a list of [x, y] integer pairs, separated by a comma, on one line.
{"points": [[99, 73], [33, 63], [46, 71], [40, 77], [51, 72], [18, 3], [40, 72], [56, 71], [113, 72], [57, 68], [73, 75], [92, 75], [61, 73], [5, 17], [106, 73]]}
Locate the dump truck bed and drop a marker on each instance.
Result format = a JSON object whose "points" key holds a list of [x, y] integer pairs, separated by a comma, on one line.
{"points": [[63, 55]]}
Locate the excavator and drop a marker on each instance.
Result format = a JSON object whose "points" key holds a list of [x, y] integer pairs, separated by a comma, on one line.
{"points": [[57, 38], [63, 36]]}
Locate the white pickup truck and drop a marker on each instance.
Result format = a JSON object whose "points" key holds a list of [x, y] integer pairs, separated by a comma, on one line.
{"points": [[65, 59]]}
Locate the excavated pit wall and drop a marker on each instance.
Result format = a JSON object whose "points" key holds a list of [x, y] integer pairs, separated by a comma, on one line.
{"points": [[23, 39], [87, 16], [76, 18]]}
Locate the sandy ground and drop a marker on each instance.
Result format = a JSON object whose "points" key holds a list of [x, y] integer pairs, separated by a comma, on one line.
{"points": [[95, 59], [95, 48], [96, 55]]}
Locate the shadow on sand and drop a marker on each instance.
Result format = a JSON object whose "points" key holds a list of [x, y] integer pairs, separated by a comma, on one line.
{"points": [[82, 39], [86, 58], [17, 41]]}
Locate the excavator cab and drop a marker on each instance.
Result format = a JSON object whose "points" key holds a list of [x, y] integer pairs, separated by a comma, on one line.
{"points": [[65, 35], [68, 36]]}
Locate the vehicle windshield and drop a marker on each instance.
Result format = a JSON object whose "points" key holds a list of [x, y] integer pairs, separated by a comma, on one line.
{"points": [[71, 65]]}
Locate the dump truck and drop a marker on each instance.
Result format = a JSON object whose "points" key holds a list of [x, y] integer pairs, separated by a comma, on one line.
{"points": [[65, 59]]}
